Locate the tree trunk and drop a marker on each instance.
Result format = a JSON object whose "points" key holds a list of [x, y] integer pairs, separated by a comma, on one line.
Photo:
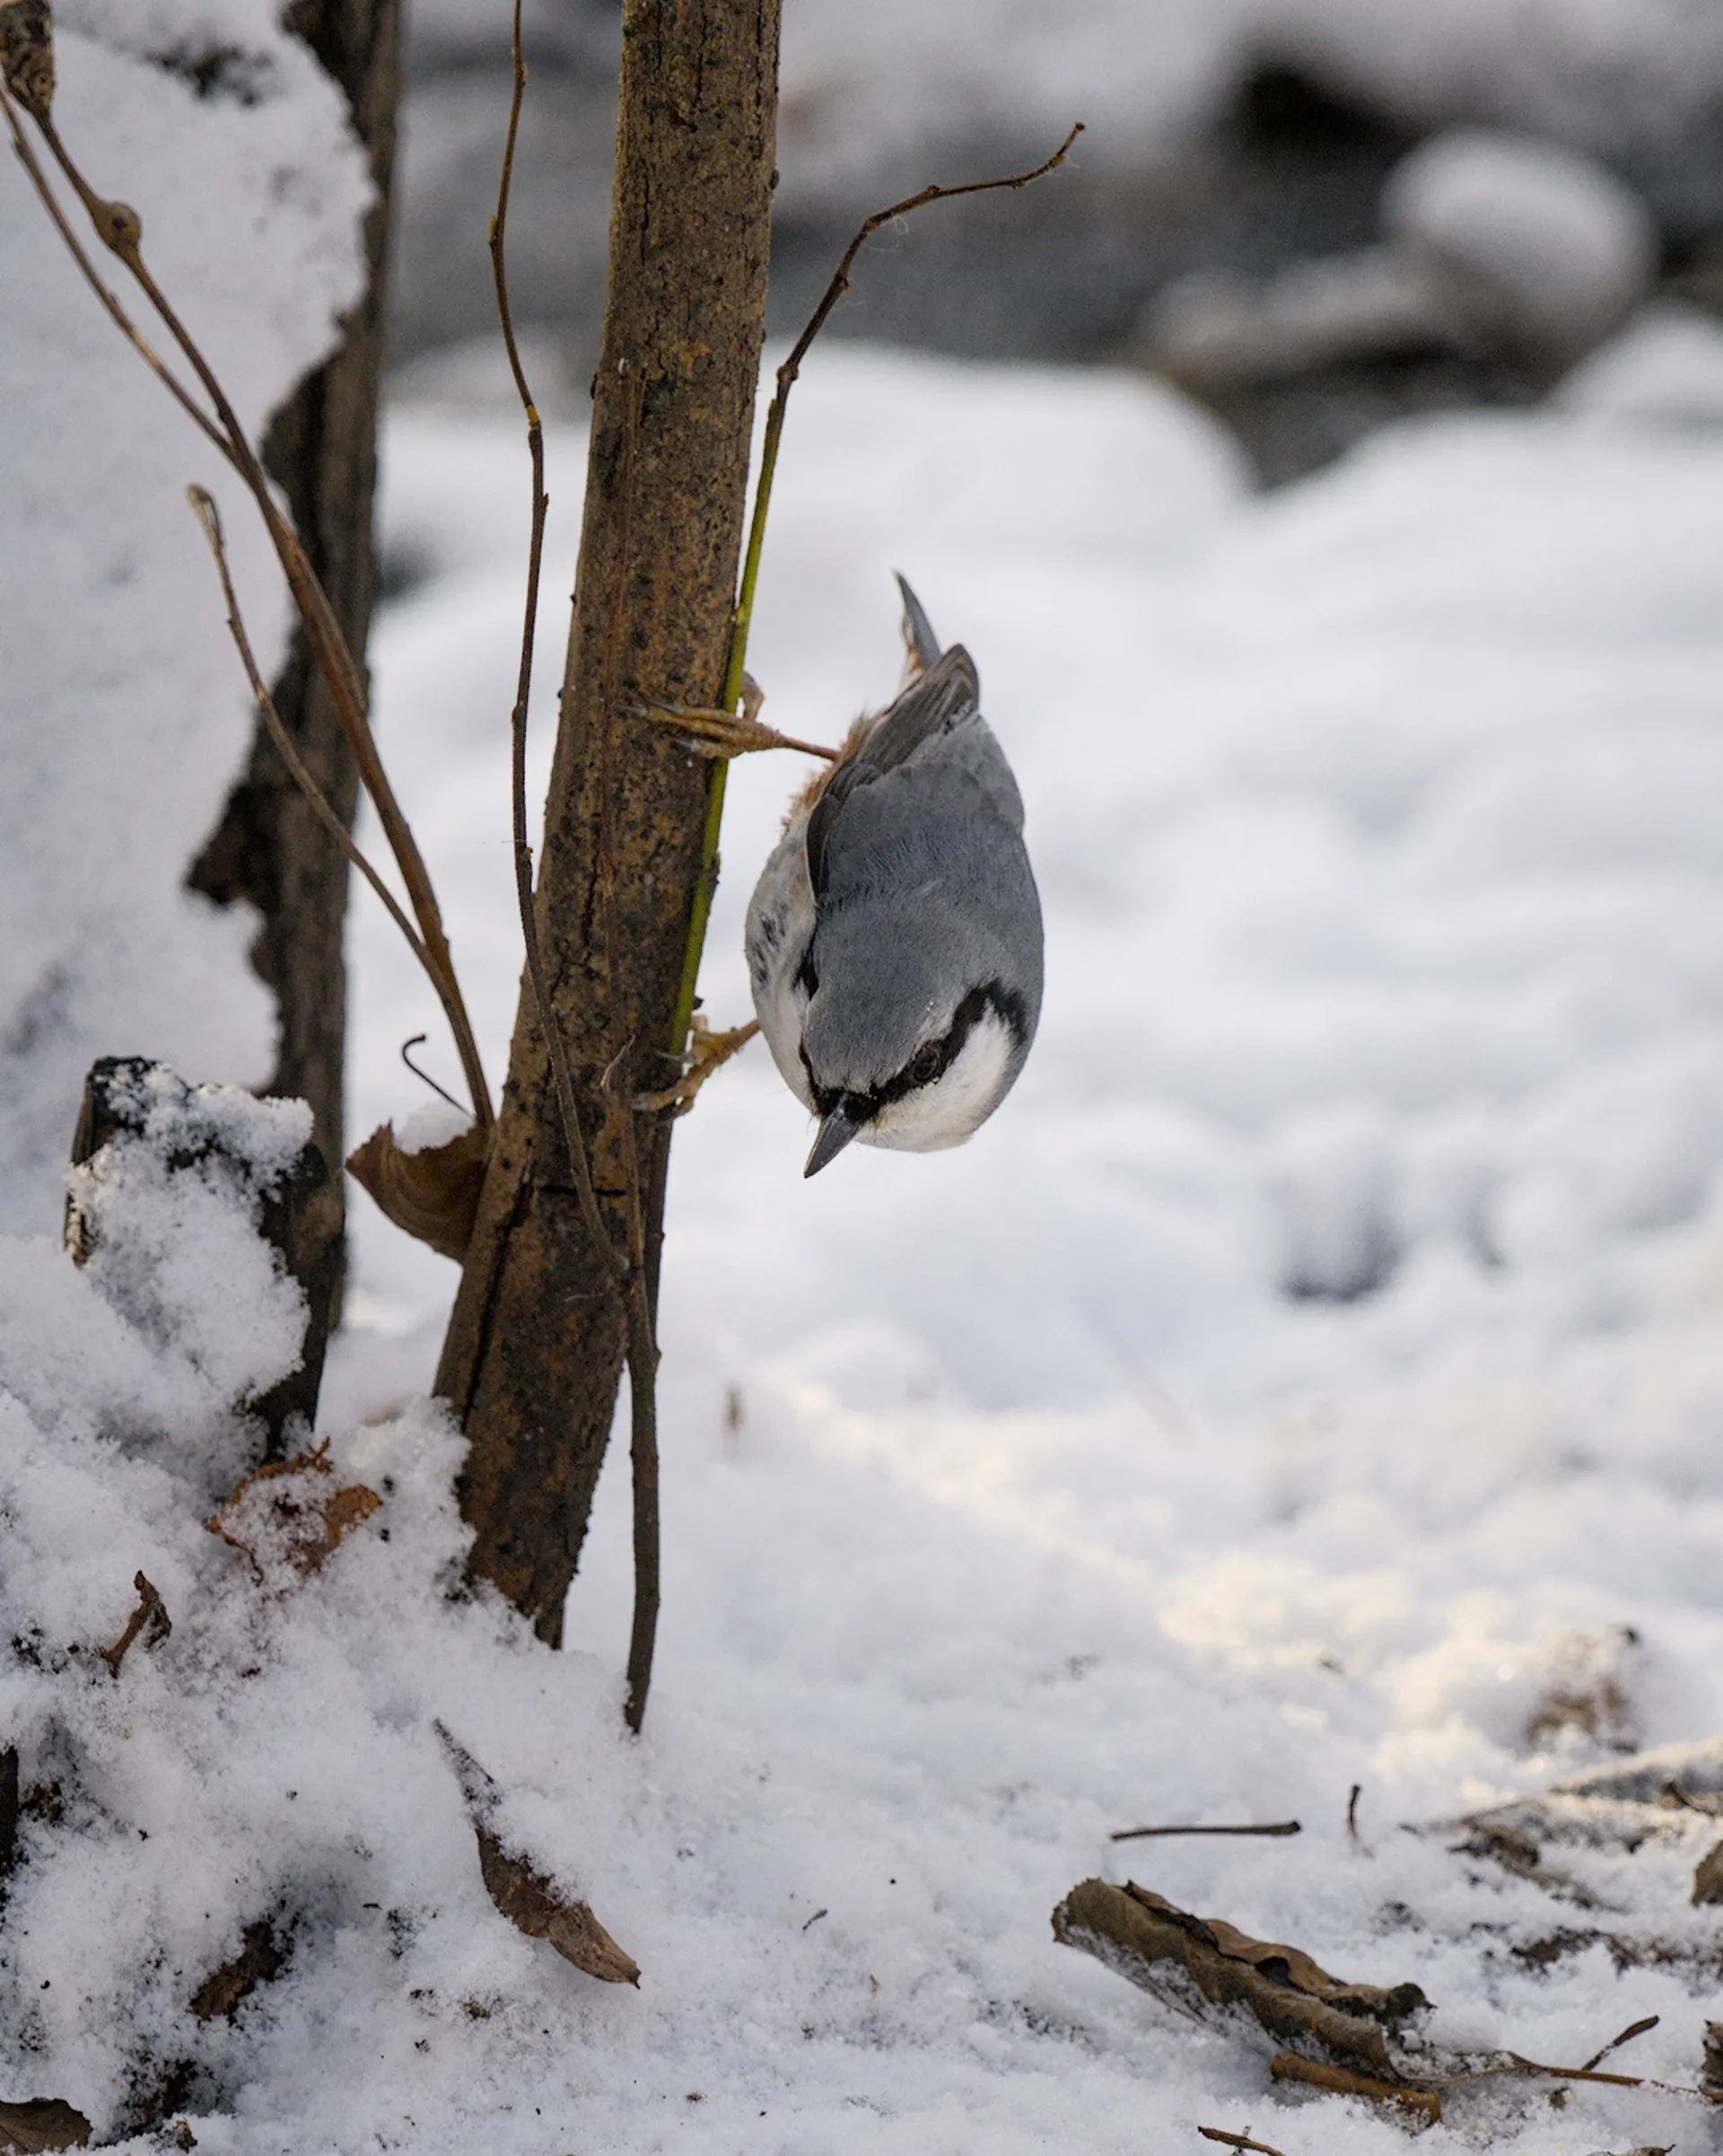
{"points": [[269, 847], [535, 1348]]}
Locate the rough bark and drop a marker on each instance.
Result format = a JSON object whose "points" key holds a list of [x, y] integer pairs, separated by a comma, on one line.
{"points": [[535, 1347], [270, 848]]}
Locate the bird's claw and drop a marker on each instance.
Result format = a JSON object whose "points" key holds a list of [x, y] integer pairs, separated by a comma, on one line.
{"points": [[707, 1051], [723, 734]]}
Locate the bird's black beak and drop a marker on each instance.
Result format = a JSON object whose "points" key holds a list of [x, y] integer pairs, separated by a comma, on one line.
{"points": [[836, 1131]]}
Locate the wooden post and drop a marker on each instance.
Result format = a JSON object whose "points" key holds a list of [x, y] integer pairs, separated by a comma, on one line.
{"points": [[535, 1348]]}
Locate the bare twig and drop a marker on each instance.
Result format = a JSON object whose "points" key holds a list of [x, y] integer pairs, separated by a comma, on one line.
{"points": [[787, 373], [120, 231], [1353, 1835], [574, 1138], [204, 508], [1633, 2029], [1144, 1834], [424, 1078], [1340, 2081], [152, 1611], [1237, 2140]]}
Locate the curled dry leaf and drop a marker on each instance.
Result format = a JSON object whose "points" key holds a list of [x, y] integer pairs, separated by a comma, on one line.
{"points": [[1208, 1963], [291, 1516], [433, 1194], [27, 54], [531, 1902], [42, 2123]]}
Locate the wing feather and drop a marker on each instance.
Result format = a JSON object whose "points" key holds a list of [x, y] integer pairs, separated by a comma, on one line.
{"points": [[933, 704]]}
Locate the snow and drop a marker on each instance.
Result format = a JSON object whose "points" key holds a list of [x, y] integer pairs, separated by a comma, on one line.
{"points": [[1016, 1494], [1310, 1377], [125, 716]]}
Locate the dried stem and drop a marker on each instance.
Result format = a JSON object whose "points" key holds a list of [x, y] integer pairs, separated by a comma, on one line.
{"points": [[1237, 2140], [574, 1138], [1633, 2029], [1144, 1834], [203, 504], [1340, 2081], [629, 1268], [120, 230], [152, 1611], [683, 1015]]}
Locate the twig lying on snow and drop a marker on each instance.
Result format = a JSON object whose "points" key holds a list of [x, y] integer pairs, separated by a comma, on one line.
{"points": [[1633, 2029], [1237, 2140], [1340, 2081], [1143, 1833], [152, 1611]]}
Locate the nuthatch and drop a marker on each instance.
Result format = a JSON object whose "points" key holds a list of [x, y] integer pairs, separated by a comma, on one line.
{"points": [[894, 938]]}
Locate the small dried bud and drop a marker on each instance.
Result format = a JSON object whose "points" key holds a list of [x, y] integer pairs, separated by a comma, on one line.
{"points": [[27, 54], [118, 225]]}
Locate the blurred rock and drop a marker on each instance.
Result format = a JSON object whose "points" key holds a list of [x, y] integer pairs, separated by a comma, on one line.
{"points": [[1537, 248], [1665, 369]]}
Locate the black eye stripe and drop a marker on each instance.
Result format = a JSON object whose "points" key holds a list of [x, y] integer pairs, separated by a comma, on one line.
{"points": [[992, 996]]}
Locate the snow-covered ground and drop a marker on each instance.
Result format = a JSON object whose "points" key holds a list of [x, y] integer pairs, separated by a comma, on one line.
{"points": [[1311, 1377], [1310, 1374]]}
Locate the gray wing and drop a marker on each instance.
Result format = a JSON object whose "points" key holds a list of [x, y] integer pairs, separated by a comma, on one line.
{"points": [[936, 703]]}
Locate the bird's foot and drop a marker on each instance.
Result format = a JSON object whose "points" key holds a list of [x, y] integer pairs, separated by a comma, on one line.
{"points": [[707, 1051], [723, 734]]}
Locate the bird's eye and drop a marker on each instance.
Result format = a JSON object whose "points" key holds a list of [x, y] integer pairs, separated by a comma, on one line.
{"points": [[925, 1065]]}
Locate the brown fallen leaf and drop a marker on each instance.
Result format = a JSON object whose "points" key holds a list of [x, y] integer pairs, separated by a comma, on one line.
{"points": [[260, 1956], [1150, 1940], [538, 1909], [290, 1516], [1707, 1878], [1206, 1962], [42, 2123], [433, 1194]]}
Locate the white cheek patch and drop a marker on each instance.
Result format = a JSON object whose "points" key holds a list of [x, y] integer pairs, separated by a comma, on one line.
{"points": [[955, 1106]]}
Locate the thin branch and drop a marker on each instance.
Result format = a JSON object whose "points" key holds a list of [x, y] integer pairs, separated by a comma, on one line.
{"points": [[574, 1138], [152, 1611], [424, 1077], [1340, 2081], [1237, 2140], [204, 508], [120, 230], [743, 619], [1633, 2029], [1144, 1834]]}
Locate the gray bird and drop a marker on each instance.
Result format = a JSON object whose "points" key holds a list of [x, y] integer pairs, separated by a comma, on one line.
{"points": [[894, 938]]}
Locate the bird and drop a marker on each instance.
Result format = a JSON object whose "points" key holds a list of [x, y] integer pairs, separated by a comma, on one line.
{"points": [[894, 938]]}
